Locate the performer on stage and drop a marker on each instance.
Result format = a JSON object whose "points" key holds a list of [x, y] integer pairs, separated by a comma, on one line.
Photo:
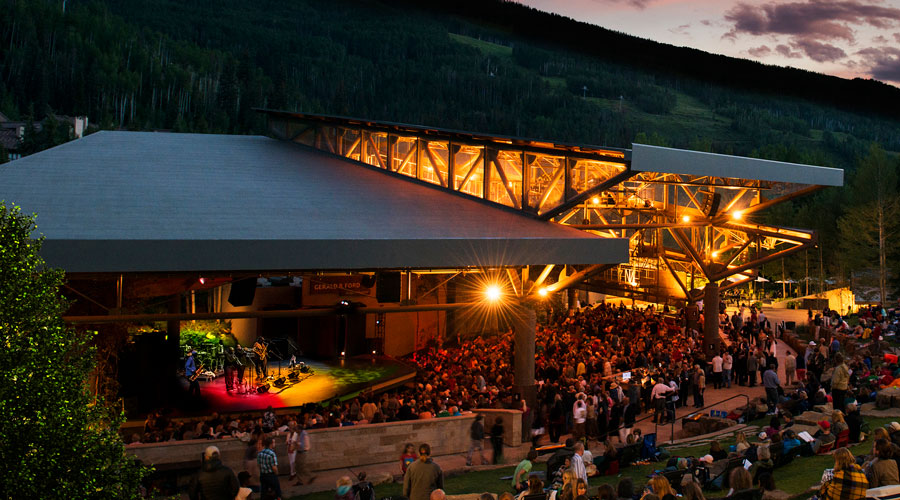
{"points": [[190, 372], [244, 362], [261, 348], [231, 364]]}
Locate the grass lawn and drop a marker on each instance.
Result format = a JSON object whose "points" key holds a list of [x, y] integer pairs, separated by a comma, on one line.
{"points": [[486, 48], [794, 478]]}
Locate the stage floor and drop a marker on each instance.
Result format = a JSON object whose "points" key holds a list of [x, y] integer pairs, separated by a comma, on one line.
{"points": [[326, 380]]}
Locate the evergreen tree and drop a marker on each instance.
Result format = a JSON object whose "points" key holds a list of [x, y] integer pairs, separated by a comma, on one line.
{"points": [[870, 223], [56, 439]]}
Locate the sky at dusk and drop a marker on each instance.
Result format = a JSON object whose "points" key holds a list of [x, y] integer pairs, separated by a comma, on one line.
{"points": [[847, 38]]}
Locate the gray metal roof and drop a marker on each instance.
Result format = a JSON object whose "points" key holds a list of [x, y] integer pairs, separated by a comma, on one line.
{"points": [[144, 201], [678, 161]]}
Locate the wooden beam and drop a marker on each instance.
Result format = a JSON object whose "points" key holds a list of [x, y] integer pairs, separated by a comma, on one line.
{"points": [[434, 164], [293, 313], [686, 245], [377, 154], [758, 262]]}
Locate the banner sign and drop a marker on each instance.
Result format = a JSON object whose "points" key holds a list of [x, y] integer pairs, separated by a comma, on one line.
{"points": [[338, 284]]}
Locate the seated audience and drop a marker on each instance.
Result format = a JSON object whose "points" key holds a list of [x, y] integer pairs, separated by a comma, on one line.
{"points": [[846, 482]]}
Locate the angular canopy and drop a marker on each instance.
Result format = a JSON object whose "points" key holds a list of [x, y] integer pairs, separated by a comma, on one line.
{"points": [[117, 202]]}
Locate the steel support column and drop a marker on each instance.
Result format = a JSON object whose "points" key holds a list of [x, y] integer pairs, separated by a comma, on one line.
{"points": [[525, 322], [711, 338]]}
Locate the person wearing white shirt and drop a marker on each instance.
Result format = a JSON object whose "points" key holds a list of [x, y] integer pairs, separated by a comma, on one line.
{"points": [[658, 395], [727, 365], [579, 416], [717, 371]]}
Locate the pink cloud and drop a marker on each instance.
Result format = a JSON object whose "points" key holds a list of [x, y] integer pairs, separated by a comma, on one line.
{"points": [[822, 19], [760, 52], [883, 62], [817, 51], [787, 52], [681, 30]]}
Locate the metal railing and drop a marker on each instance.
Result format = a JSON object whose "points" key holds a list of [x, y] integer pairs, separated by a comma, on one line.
{"points": [[699, 410]]}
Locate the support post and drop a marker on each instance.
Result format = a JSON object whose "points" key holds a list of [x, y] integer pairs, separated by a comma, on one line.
{"points": [[173, 335], [524, 323], [711, 338]]}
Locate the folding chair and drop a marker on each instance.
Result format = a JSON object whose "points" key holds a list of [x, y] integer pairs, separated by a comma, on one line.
{"points": [[843, 439]]}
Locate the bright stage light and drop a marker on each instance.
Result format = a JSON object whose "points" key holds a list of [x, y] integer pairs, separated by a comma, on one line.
{"points": [[543, 292], [493, 293], [595, 200], [715, 254], [685, 218], [202, 280], [342, 353], [737, 215]]}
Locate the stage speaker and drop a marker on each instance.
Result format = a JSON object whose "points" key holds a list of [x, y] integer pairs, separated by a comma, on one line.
{"points": [[387, 287], [711, 203], [242, 292], [293, 376], [279, 382], [263, 389]]}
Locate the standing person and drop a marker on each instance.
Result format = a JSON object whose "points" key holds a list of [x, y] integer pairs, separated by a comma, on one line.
{"points": [[243, 362], [737, 322], [214, 481], [293, 445], [771, 383], [801, 366], [727, 365], [660, 390], [476, 441], [261, 348], [497, 439], [699, 386], [191, 372], [231, 363], [717, 367], [590, 425], [752, 367], [840, 381], [557, 419], [790, 368], [423, 476], [269, 485], [578, 462], [302, 463], [579, 417]]}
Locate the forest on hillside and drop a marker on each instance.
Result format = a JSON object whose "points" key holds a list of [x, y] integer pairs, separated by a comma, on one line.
{"points": [[203, 66]]}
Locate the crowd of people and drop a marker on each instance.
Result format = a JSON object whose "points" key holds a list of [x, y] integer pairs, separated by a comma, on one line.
{"points": [[579, 363]]}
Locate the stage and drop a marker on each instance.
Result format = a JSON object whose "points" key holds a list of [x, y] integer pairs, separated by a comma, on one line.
{"points": [[326, 380]]}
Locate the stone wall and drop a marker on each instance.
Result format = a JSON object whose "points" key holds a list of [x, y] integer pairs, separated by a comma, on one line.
{"points": [[187, 454], [355, 446], [512, 425], [337, 447]]}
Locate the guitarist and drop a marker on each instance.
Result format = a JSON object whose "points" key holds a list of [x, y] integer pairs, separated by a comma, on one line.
{"points": [[262, 351], [191, 372]]}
